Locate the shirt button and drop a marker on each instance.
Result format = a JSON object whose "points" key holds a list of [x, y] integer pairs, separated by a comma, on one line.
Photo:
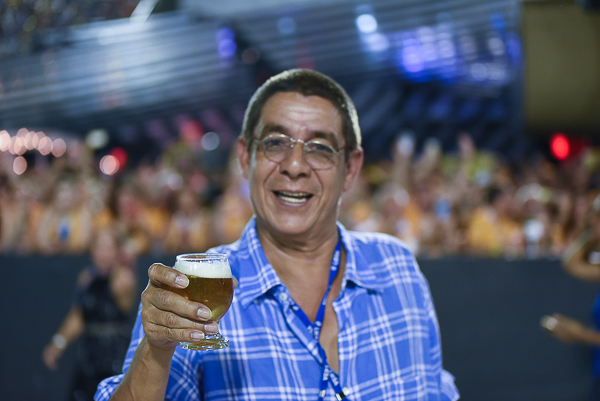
{"points": [[346, 391], [283, 297]]}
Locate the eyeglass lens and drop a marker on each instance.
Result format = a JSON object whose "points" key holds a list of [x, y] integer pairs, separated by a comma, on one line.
{"points": [[318, 154]]}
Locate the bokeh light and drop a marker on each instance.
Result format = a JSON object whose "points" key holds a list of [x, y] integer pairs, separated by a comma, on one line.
{"points": [[59, 147], [121, 155], [376, 42], [366, 23], [174, 181], [19, 145], [11, 146], [286, 25], [33, 141], [45, 146], [96, 138], [210, 141], [19, 165], [559, 146], [226, 42], [4, 140], [109, 165]]}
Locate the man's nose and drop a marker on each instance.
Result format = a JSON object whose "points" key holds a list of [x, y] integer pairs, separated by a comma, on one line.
{"points": [[296, 162]]}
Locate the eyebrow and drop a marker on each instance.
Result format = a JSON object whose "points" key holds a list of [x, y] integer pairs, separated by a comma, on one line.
{"points": [[280, 129], [272, 128]]}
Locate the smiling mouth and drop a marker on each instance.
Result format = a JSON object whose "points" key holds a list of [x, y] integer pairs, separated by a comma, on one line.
{"points": [[293, 197]]}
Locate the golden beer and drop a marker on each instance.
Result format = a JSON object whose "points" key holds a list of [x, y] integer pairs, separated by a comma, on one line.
{"points": [[210, 283]]}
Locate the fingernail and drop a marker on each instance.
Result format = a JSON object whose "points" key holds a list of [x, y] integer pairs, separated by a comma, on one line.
{"points": [[203, 313], [211, 327], [182, 281], [197, 335]]}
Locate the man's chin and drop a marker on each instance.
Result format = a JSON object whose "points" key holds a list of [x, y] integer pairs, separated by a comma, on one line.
{"points": [[288, 226]]}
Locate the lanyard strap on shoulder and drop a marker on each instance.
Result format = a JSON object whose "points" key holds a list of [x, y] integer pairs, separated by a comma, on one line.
{"points": [[315, 329]]}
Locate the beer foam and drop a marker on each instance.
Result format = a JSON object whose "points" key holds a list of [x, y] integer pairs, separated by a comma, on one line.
{"points": [[212, 269]]}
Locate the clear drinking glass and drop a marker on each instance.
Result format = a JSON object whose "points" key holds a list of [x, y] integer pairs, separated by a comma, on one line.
{"points": [[210, 284]]}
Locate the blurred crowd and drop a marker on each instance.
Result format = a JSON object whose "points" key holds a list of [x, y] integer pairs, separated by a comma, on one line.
{"points": [[473, 202], [470, 202], [21, 20]]}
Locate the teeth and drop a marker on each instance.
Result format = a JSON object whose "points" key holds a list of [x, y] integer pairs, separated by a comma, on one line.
{"points": [[293, 197], [293, 200], [296, 194]]}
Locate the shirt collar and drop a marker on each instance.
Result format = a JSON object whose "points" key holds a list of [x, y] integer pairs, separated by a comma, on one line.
{"points": [[358, 269], [257, 277]]}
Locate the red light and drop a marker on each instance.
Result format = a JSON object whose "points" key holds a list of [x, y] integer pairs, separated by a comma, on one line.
{"points": [[560, 147], [120, 155]]}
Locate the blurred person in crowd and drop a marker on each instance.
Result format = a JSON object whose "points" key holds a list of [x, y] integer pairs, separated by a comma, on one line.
{"points": [[404, 174], [474, 165], [129, 212], [20, 215], [560, 207], [436, 195], [67, 224], [300, 150], [578, 215], [581, 259], [157, 186], [533, 201], [391, 202], [232, 210], [356, 207], [100, 317], [190, 228], [438, 222], [492, 231]]}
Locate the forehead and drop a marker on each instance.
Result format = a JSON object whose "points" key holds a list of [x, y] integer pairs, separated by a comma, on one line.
{"points": [[292, 111]]}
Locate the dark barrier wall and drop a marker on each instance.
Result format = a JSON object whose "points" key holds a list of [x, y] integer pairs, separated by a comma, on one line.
{"points": [[489, 312]]}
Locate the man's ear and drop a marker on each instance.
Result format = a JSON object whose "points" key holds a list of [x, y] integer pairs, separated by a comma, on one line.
{"points": [[243, 155], [353, 166]]}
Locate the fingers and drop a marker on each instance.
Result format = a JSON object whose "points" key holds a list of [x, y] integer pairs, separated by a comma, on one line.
{"points": [[169, 302], [173, 335], [165, 308], [168, 317], [161, 276]]}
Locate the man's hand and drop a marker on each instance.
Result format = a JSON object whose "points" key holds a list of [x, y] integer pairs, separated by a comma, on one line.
{"points": [[169, 318]]}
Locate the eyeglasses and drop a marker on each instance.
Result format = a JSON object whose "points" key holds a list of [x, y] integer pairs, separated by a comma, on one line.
{"points": [[319, 154]]}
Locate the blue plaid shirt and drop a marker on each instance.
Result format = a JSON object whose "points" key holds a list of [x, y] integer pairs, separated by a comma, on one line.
{"points": [[389, 341]]}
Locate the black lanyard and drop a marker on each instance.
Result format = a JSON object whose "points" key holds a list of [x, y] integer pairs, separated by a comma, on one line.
{"points": [[315, 329]]}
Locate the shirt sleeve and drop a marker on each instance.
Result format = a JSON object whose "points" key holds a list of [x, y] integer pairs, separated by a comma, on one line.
{"points": [[183, 379], [447, 388], [107, 387]]}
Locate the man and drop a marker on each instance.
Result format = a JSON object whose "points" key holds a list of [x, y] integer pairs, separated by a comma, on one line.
{"points": [[377, 335]]}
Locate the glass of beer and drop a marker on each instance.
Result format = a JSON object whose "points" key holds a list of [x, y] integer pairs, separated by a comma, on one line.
{"points": [[210, 284]]}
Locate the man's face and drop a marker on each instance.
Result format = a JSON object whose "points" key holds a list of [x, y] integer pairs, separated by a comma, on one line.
{"points": [[290, 197]]}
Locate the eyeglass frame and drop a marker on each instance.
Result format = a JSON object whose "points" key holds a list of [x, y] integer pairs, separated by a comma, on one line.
{"points": [[290, 149]]}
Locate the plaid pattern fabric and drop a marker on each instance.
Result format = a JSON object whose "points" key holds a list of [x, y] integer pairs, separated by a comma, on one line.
{"points": [[389, 342]]}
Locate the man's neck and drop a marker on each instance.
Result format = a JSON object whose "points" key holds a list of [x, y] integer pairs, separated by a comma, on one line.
{"points": [[303, 264], [306, 248]]}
